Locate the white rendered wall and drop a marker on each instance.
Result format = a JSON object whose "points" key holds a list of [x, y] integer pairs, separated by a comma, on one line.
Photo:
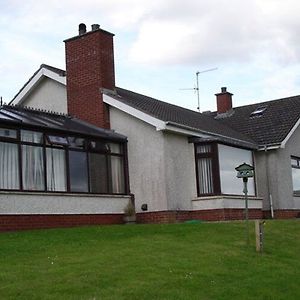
{"points": [[145, 159], [223, 202], [285, 198], [43, 203], [180, 171], [48, 95], [274, 175]]}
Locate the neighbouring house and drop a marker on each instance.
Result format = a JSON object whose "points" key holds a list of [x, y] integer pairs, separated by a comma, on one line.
{"points": [[75, 149]]}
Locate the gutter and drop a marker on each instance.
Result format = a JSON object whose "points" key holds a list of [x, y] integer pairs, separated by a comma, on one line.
{"points": [[209, 134]]}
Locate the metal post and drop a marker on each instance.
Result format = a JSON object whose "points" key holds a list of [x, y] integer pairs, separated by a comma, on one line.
{"points": [[197, 89], [245, 180]]}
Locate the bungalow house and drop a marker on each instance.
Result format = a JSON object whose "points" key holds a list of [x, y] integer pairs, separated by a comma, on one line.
{"points": [[75, 149]]}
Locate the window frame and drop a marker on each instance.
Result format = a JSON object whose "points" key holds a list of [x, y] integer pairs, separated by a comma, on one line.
{"points": [[67, 148], [214, 155], [215, 168], [293, 157]]}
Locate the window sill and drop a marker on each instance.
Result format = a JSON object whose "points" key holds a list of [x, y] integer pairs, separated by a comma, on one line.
{"points": [[64, 194], [223, 196]]}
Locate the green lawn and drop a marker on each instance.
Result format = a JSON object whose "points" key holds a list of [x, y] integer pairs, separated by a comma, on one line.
{"points": [[178, 261]]}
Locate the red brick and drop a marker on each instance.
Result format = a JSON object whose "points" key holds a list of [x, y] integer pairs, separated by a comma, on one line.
{"points": [[90, 66], [22, 222]]}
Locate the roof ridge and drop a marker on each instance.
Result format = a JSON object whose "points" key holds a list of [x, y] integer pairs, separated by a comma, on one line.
{"points": [[33, 109]]}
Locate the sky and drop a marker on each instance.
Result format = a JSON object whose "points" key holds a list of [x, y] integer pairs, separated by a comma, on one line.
{"points": [[161, 44]]}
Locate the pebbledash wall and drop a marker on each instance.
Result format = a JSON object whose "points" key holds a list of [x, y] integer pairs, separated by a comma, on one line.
{"points": [[48, 94], [275, 178], [163, 176]]}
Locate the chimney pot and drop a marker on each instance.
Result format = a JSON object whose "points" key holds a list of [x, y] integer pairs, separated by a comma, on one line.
{"points": [[223, 89], [95, 27], [82, 28]]}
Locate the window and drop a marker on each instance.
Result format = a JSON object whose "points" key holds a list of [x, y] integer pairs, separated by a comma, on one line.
{"points": [[56, 169], [295, 163], [258, 111], [206, 163], [32, 168], [229, 159], [38, 161], [78, 171], [8, 133], [215, 167], [9, 166], [98, 173]]}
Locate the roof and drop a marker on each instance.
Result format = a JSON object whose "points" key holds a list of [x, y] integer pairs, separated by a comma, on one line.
{"points": [[34, 118], [43, 71], [271, 126], [179, 116]]}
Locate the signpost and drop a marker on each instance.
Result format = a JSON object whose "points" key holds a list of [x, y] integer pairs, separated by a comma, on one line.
{"points": [[245, 171]]}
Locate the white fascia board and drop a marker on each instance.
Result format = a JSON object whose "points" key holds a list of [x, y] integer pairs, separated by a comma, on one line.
{"points": [[186, 131], [35, 80], [54, 76], [160, 125], [269, 147], [283, 143]]}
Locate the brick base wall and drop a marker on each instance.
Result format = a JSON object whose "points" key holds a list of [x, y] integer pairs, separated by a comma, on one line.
{"points": [[21, 222], [205, 215]]}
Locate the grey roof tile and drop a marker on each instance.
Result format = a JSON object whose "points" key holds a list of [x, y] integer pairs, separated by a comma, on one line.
{"points": [[272, 126], [179, 115]]}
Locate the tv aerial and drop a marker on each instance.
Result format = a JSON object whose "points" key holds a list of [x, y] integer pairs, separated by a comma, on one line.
{"points": [[196, 89]]}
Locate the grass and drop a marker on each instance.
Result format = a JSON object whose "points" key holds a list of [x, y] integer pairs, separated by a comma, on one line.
{"points": [[178, 261]]}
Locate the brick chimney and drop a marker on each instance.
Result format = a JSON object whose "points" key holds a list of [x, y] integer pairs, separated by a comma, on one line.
{"points": [[89, 66], [224, 101]]}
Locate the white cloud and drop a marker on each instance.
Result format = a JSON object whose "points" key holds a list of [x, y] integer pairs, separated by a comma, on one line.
{"points": [[214, 31], [259, 36]]}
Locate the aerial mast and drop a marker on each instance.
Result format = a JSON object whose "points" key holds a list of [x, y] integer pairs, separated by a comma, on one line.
{"points": [[197, 84]]}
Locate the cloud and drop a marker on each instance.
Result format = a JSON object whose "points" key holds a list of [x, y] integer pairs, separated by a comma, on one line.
{"points": [[259, 36], [190, 32]]}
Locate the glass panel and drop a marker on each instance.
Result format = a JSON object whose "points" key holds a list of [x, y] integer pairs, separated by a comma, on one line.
{"points": [[76, 142], [32, 168], [115, 148], [117, 175], [205, 176], [31, 136], [78, 171], [59, 140], [56, 169], [229, 159], [296, 179], [294, 162], [8, 133], [203, 148], [98, 173], [99, 146], [9, 166]]}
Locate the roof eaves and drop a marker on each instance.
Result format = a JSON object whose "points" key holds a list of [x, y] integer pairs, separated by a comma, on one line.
{"points": [[43, 71], [215, 136], [290, 133], [113, 100]]}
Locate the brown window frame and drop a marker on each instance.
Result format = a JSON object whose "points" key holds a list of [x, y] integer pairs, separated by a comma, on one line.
{"points": [[213, 154], [46, 144]]}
